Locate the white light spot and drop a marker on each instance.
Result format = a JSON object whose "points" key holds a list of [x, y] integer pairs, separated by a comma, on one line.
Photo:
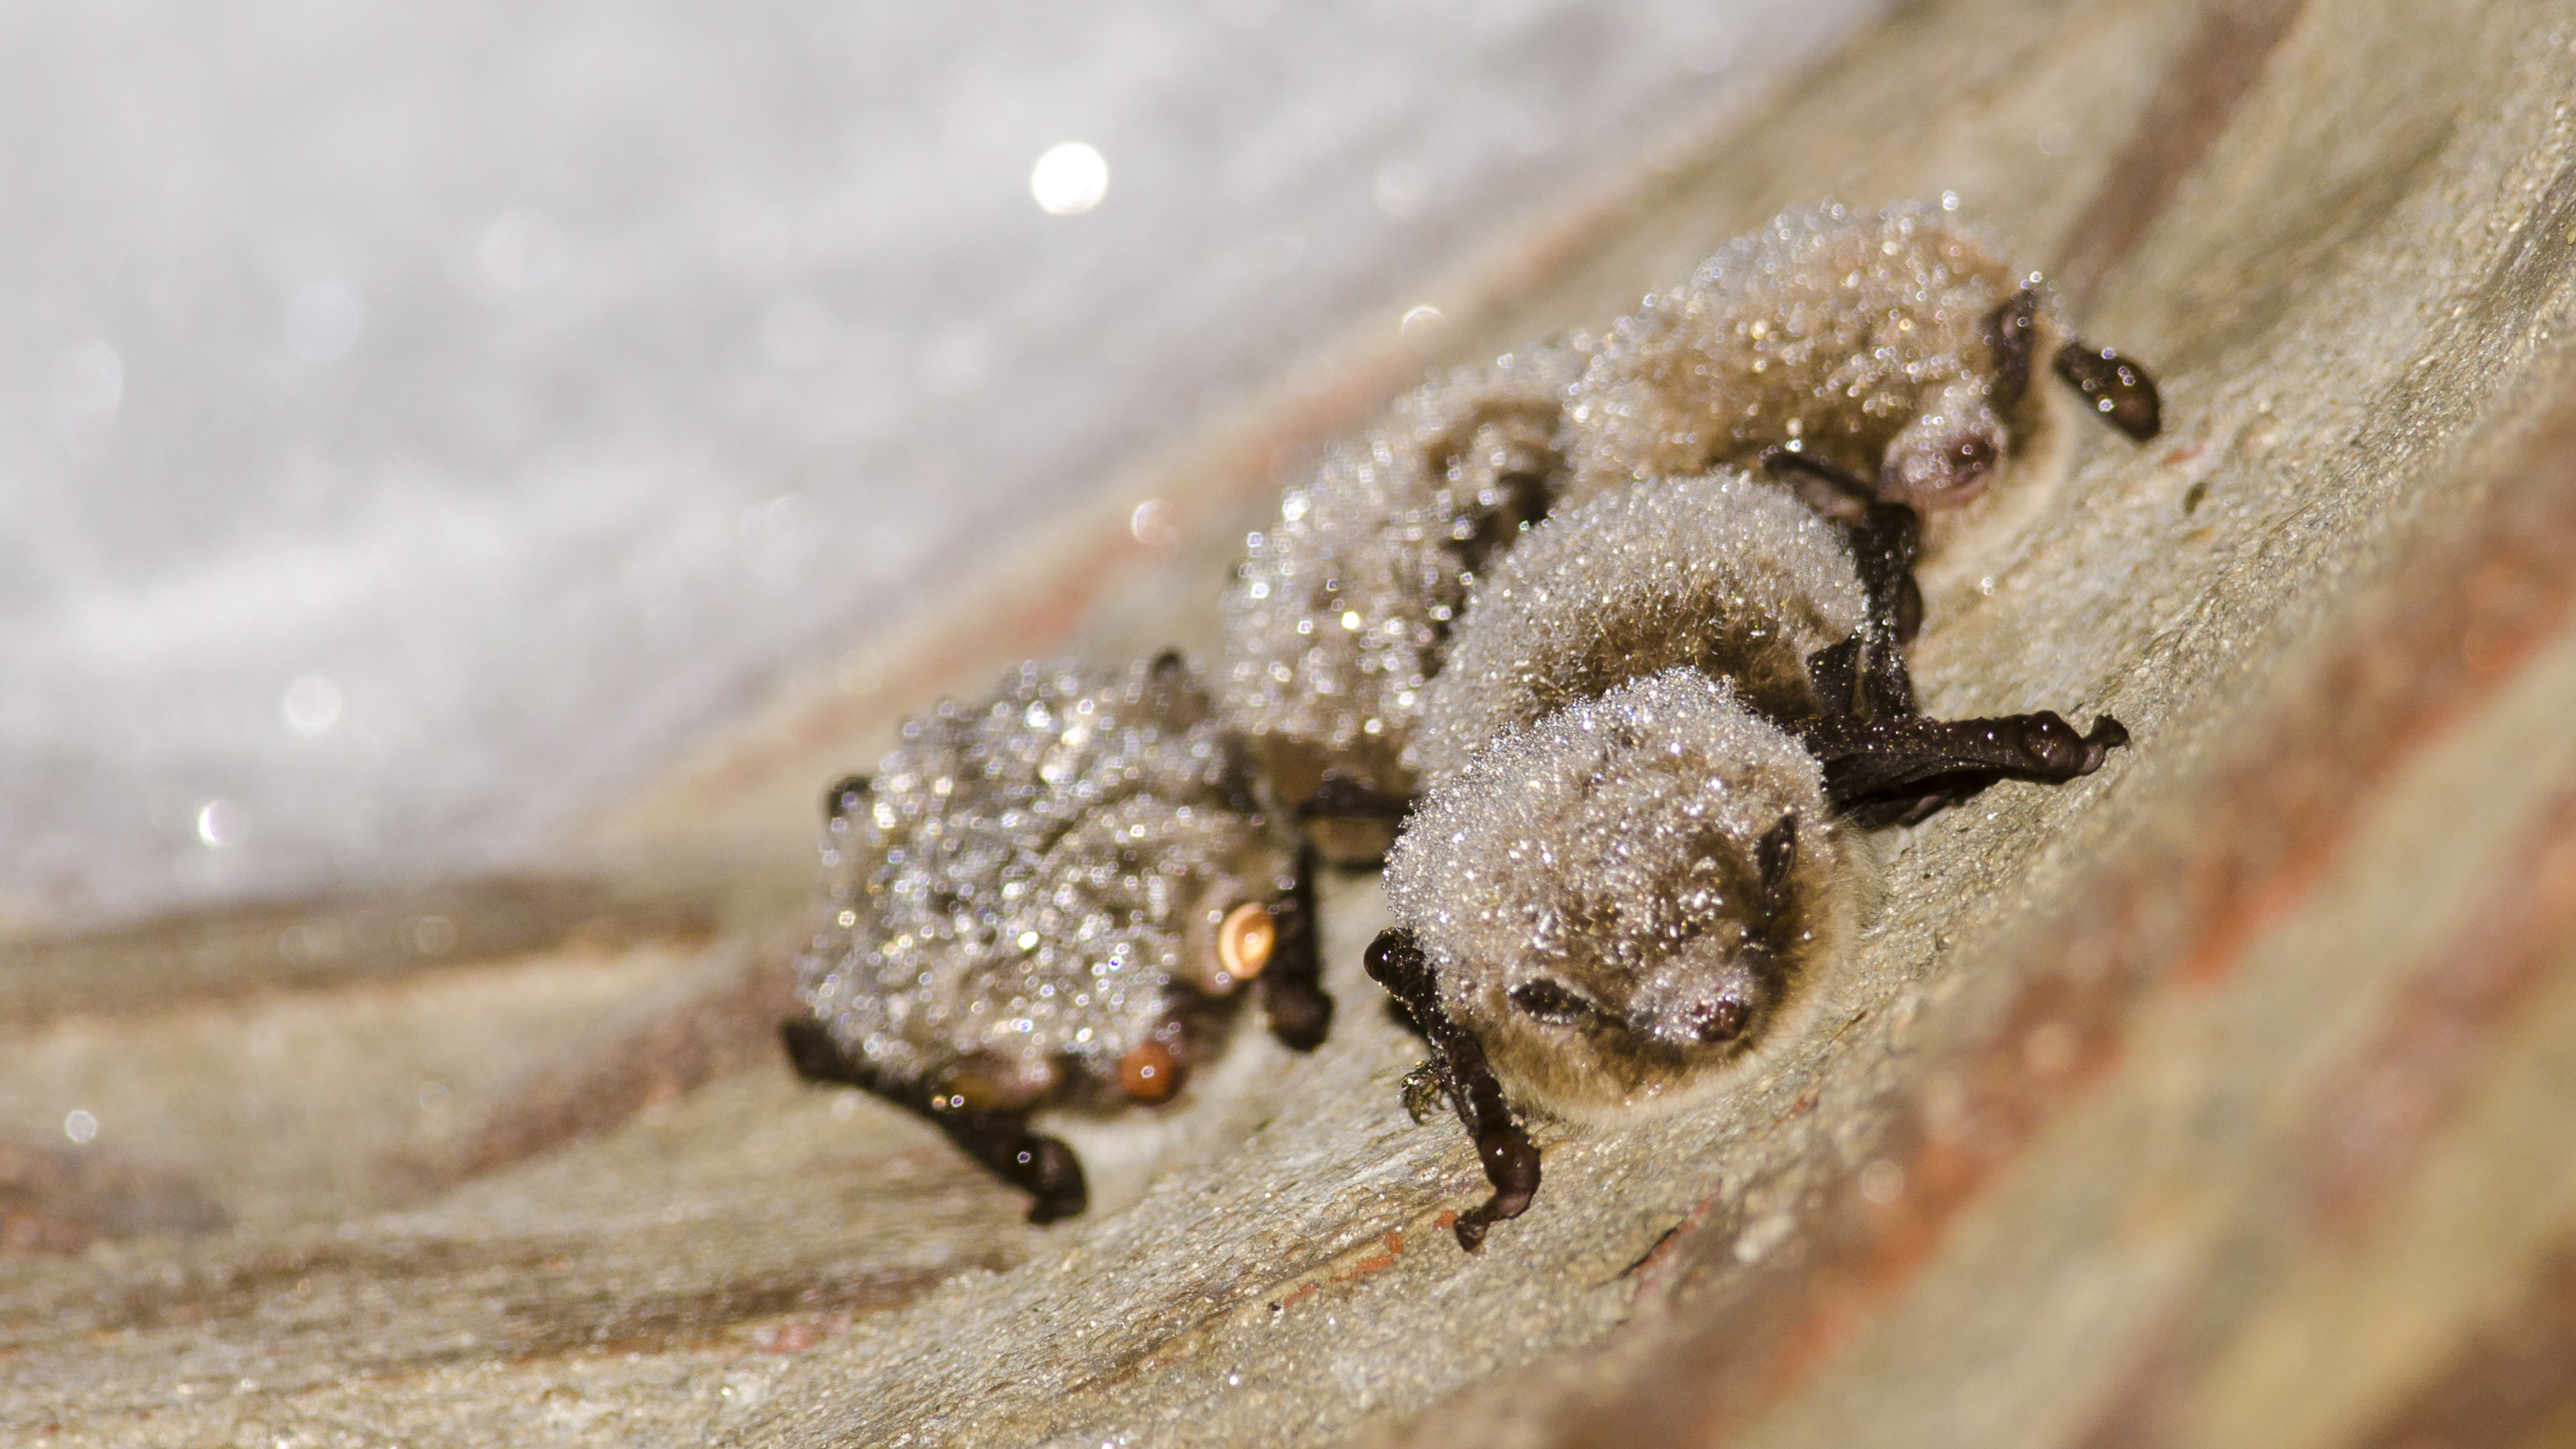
{"points": [[1028, 940], [322, 322], [80, 1127], [521, 251], [1949, 201], [222, 824], [2056, 140], [1070, 178], [311, 705], [1421, 323], [1151, 523], [1758, 1239], [1882, 1182]]}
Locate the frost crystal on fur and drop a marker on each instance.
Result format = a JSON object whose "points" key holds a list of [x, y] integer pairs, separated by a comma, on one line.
{"points": [[1341, 611], [1036, 878], [1606, 855], [1862, 340], [1727, 574]]}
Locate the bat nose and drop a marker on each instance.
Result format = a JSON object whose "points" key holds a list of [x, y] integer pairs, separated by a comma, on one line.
{"points": [[1720, 1019], [1970, 456]]}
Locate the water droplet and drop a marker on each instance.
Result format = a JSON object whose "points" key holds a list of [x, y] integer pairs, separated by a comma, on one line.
{"points": [[1151, 524], [1070, 178], [222, 824]]}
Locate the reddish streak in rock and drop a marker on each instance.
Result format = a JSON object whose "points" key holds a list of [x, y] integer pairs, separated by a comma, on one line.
{"points": [[2504, 1384], [59, 1200], [2281, 815], [2218, 64], [1377, 1262], [2423, 655], [798, 1333], [727, 1028], [2395, 1096]]}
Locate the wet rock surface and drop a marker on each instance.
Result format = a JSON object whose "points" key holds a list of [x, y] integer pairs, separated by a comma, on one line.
{"points": [[2215, 1098]]}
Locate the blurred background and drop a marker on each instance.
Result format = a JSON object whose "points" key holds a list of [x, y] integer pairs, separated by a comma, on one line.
{"points": [[418, 424]]}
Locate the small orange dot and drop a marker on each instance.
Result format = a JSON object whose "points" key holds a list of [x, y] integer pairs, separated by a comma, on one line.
{"points": [[1148, 1074], [969, 1092]]}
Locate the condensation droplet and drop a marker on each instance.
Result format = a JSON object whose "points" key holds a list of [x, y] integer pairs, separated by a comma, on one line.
{"points": [[1071, 177], [1151, 524], [222, 824]]}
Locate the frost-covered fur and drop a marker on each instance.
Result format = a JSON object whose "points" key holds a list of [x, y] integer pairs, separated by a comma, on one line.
{"points": [[1864, 340], [1727, 574], [1607, 855], [1034, 880], [1341, 611]]}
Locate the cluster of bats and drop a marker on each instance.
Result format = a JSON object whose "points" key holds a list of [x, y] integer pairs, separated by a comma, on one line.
{"points": [[1599, 649]]}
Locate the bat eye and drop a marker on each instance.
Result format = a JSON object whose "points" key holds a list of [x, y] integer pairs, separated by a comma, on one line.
{"points": [[1544, 1000]]}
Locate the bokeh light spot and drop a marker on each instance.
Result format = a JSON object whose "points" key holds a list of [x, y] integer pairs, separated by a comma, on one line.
{"points": [[1070, 178]]}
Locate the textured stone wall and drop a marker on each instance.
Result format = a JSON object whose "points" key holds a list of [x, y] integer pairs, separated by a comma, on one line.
{"points": [[2218, 1098]]}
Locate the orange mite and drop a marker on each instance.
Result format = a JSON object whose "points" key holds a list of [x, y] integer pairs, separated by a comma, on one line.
{"points": [[1149, 1074], [1245, 940]]}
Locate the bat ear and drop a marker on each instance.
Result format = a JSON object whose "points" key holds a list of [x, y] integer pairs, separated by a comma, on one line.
{"points": [[1773, 854], [2009, 328], [845, 796], [2119, 390]]}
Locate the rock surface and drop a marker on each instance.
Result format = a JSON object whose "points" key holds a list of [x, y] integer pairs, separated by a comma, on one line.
{"points": [[2217, 1098]]}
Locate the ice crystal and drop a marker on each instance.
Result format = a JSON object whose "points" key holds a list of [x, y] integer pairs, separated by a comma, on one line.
{"points": [[1607, 854], [1341, 611], [1861, 340], [1035, 879], [1727, 574]]}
